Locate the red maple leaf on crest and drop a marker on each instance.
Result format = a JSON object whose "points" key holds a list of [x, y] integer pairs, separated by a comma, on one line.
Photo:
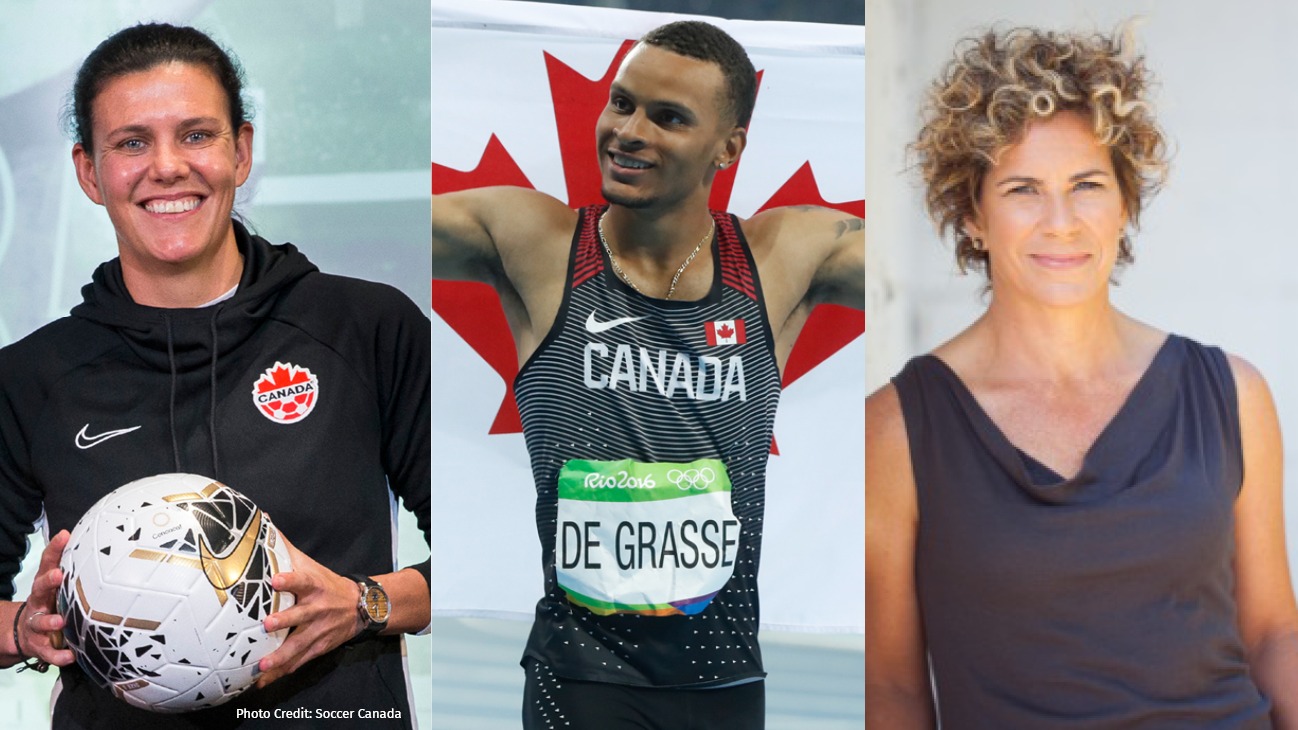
{"points": [[725, 331], [473, 310], [281, 377]]}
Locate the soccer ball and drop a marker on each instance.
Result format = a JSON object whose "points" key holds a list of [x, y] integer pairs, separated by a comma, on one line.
{"points": [[165, 584]]}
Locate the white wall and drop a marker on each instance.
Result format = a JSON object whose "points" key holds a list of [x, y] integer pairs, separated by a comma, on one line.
{"points": [[1213, 258], [887, 124]]}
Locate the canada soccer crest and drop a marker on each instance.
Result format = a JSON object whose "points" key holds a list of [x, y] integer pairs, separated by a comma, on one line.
{"points": [[286, 393]]}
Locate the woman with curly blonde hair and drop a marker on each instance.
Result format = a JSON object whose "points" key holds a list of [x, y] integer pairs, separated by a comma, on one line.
{"points": [[1073, 519]]}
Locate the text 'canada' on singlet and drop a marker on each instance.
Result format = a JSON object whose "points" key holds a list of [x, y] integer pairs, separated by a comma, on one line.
{"points": [[1101, 602], [649, 424]]}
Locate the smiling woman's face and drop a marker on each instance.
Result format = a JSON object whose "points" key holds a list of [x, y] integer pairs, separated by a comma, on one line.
{"points": [[165, 165], [1050, 214]]}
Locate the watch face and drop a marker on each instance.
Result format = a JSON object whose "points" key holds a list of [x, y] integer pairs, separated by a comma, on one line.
{"points": [[376, 604]]}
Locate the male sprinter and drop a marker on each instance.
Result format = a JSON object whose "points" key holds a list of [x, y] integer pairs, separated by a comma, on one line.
{"points": [[653, 332]]}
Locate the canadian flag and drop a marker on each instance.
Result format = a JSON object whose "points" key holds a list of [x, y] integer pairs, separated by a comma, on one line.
{"points": [[725, 332]]}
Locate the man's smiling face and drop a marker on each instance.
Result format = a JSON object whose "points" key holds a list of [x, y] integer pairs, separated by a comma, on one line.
{"points": [[662, 133]]}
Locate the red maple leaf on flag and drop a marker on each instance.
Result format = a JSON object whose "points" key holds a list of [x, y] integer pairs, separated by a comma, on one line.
{"points": [[725, 331], [473, 310]]}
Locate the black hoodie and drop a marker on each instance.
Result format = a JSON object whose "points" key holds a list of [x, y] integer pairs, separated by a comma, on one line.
{"points": [[198, 387]]}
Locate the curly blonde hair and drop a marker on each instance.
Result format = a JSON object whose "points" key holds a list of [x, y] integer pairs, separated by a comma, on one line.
{"points": [[1000, 82]]}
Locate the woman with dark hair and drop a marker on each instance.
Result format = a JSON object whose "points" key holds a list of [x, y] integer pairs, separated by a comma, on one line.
{"points": [[153, 373], [1073, 519]]}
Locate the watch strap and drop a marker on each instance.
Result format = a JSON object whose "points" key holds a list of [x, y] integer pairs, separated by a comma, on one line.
{"points": [[372, 627]]}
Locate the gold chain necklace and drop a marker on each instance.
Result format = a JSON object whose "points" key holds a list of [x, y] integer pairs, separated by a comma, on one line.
{"points": [[622, 274]]}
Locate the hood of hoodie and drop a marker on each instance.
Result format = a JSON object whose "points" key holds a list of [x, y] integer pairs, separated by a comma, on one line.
{"points": [[267, 270]]}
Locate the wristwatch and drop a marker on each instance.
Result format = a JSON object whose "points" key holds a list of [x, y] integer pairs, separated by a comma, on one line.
{"points": [[373, 606]]}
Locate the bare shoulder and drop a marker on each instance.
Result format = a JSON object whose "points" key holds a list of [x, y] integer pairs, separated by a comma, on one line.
{"points": [[887, 447], [811, 255], [512, 213], [883, 411], [533, 235], [1256, 406], [1247, 376], [798, 225], [476, 232]]}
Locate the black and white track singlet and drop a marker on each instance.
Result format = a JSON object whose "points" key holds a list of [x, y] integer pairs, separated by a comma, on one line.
{"points": [[649, 424]]}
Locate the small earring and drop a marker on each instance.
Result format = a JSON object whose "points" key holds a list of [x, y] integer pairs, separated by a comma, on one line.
{"points": [[978, 244], [721, 165]]}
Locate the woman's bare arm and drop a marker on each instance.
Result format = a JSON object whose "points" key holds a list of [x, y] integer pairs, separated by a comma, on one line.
{"points": [[897, 691], [1268, 616]]}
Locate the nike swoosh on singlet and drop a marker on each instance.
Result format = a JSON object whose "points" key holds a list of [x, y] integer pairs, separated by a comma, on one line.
{"points": [[84, 442], [595, 327]]}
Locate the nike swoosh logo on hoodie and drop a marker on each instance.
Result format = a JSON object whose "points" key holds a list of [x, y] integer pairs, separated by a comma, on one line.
{"points": [[85, 442]]}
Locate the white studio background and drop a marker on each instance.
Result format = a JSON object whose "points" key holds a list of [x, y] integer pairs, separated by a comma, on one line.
{"points": [[489, 77], [340, 92], [1213, 255]]}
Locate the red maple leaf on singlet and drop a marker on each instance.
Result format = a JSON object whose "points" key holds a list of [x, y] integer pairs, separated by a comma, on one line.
{"points": [[473, 310], [725, 331]]}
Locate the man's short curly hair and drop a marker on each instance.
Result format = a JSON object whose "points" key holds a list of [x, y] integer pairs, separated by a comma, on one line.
{"points": [[1000, 82], [705, 42]]}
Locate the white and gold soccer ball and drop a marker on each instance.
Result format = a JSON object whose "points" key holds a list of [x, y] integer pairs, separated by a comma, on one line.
{"points": [[166, 581]]}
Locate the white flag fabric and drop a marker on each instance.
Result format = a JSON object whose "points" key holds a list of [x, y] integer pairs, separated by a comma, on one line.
{"points": [[511, 82]]}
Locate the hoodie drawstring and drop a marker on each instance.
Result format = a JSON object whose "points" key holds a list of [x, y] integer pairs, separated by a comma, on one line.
{"points": [[216, 469], [211, 418], [171, 358]]}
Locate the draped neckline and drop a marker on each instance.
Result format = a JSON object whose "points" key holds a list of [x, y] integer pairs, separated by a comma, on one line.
{"points": [[1111, 457]]}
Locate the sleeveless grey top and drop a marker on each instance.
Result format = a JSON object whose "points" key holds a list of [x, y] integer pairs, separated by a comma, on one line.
{"points": [[1101, 602]]}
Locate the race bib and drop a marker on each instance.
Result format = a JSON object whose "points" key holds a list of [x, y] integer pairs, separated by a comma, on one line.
{"points": [[652, 539]]}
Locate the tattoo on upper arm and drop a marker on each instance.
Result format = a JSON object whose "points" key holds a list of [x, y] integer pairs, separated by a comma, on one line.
{"points": [[805, 208], [851, 224]]}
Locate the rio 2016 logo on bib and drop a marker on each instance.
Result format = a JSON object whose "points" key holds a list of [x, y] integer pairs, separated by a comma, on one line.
{"points": [[286, 393], [651, 539]]}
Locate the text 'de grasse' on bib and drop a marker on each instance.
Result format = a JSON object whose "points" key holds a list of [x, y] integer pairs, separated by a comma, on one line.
{"points": [[652, 539]]}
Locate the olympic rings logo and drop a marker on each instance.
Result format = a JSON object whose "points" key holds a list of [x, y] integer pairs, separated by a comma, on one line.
{"points": [[692, 478]]}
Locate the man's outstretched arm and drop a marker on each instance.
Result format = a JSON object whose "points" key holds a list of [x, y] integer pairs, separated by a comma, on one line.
{"points": [[502, 236], [515, 240], [820, 253], [840, 278], [463, 248]]}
